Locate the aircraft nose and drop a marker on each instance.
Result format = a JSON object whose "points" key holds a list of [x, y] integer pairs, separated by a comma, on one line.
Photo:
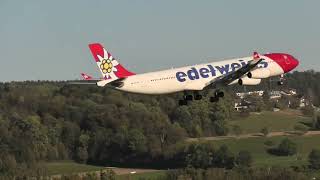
{"points": [[295, 62], [290, 61], [286, 61]]}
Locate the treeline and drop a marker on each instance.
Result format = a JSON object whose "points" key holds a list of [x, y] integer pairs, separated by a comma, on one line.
{"points": [[44, 121], [306, 83], [48, 121]]}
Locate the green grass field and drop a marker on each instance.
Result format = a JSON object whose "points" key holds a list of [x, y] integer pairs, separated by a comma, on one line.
{"points": [[255, 146], [275, 121], [69, 167], [258, 149], [149, 175]]}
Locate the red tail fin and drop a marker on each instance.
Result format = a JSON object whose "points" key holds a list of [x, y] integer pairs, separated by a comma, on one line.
{"points": [[108, 65]]}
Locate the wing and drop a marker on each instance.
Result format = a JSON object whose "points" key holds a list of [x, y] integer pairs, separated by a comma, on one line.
{"points": [[86, 80], [99, 82], [83, 82], [226, 79]]}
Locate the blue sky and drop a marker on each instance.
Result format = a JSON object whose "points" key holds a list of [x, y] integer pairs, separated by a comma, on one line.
{"points": [[47, 40]]}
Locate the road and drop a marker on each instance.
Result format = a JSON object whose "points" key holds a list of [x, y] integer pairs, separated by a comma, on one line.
{"points": [[252, 135], [122, 171]]}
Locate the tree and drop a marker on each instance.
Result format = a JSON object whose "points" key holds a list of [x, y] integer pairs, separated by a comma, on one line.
{"points": [[82, 149], [82, 154], [223, 158], [301, 128], [308, 110], [220, 127], [269, 143], [314, 159], [137, 141], [182, 116], [70, 135], [244, 159], [285, 148], [265, 131], [258, 104], [8, 164], [316, 120], [107, 174], [199, 155], [84, 140], [294, 102]]}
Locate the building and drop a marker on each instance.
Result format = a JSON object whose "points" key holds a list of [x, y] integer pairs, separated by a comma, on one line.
{"points": [[243, 94], [275, 94], [238, 106]]}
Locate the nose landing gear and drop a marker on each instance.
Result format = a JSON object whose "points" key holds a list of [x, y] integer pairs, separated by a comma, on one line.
{"points": [[280, 83], [281, 80]]}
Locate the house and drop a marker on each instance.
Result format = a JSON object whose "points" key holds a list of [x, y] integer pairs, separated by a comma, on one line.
{"points": [[303, 102], [238, 106], [275, 94], [241, 95], [290, 92]]}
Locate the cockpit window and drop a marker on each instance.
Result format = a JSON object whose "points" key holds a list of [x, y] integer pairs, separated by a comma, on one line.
{"points": [[286, 59]]}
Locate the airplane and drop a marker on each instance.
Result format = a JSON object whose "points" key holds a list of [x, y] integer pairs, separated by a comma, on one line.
{"points": [[190, 79]]}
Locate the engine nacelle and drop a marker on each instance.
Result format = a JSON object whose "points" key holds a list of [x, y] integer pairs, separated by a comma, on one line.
{"points": [[248, 81], [259, 74]]}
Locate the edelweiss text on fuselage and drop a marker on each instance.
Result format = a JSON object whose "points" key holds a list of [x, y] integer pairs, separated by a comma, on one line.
{"points": [[210, 71]]}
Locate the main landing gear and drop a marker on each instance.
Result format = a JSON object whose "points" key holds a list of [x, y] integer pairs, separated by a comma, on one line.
{"points": [[196, 96], [218, 94], [189, 97]]}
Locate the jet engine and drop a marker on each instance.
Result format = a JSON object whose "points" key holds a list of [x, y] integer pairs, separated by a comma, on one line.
{"points": [[259, 74], [248, 81]]}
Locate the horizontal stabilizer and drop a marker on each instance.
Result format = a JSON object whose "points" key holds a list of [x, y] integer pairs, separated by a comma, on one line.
{"points": [[104, 82]]}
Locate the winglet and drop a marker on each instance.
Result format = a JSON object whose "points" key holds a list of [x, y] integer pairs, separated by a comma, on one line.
{"points": [[256, 56], [86, 77]]}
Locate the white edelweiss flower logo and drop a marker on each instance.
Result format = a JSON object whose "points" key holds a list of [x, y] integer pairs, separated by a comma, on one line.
{"points": [[108, 65]]}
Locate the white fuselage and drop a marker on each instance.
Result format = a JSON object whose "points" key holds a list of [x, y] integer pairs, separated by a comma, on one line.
{"points": [[191, 78]]}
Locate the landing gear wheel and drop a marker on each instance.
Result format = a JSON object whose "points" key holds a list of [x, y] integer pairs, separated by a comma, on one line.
{"points": [[183, 102], [280, 83], [219, 94], [214, 99], [198, 97], [188, 97]]}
